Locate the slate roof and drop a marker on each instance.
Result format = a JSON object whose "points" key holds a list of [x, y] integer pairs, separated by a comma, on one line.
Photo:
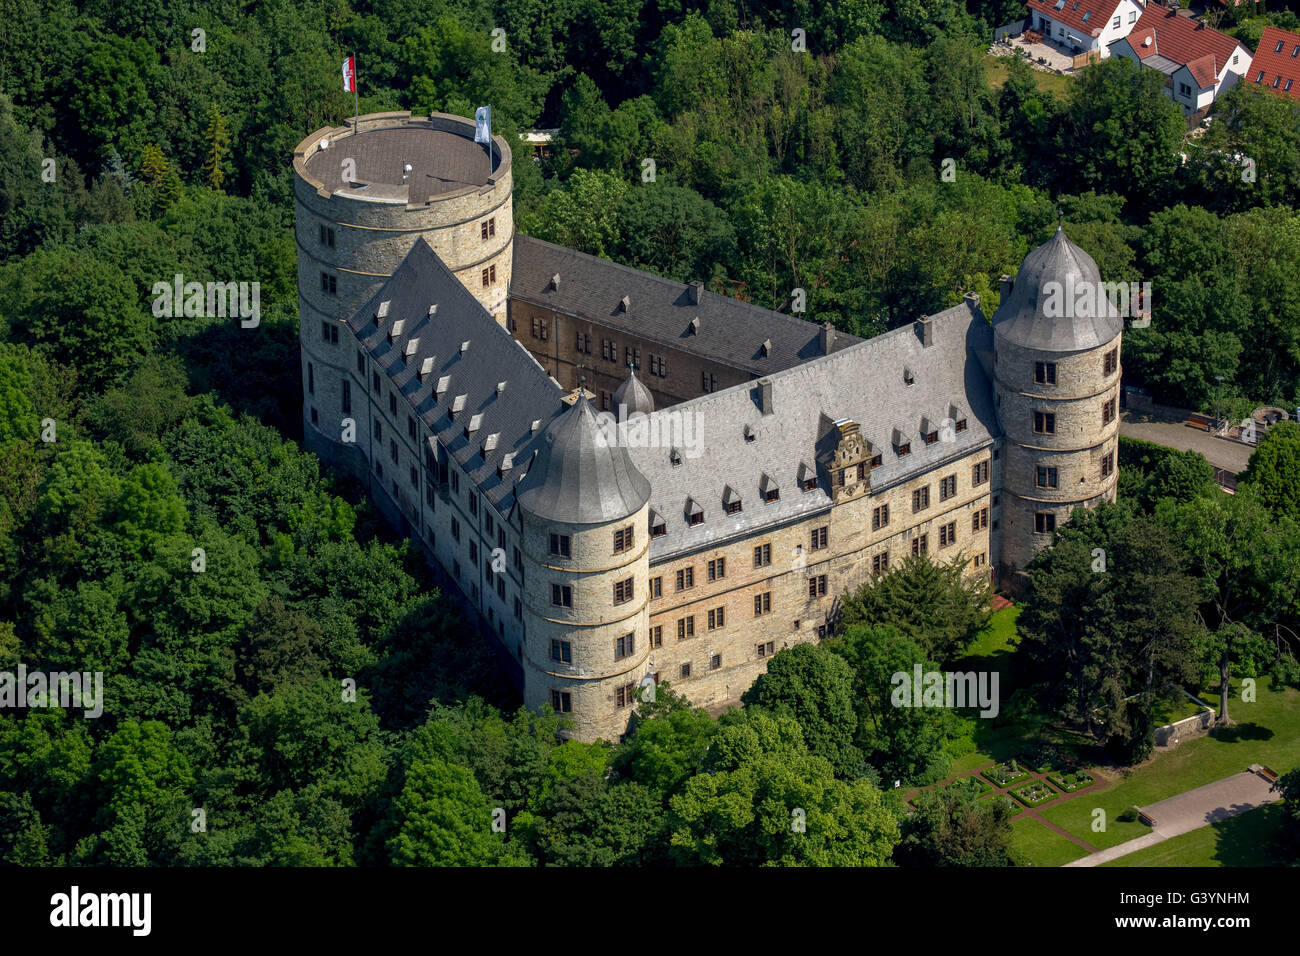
{"points": [[1021, 317], [660, 310], [1277, 62], [1204, 51], [633, 396], [495, 386], [579, 476], [864, 382]]}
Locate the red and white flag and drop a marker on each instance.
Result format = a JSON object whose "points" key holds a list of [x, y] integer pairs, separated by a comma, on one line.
{"points": [[350, 75]]}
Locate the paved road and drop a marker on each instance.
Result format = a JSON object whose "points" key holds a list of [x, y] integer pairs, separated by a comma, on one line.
{"points": [[1193, 810], [1229, 455]]}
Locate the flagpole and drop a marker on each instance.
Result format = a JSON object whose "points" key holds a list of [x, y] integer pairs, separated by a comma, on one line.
{"points": [[356, 97]]}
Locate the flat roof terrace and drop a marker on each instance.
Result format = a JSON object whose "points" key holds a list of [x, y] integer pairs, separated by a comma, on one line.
{"points": [[440, 149]]}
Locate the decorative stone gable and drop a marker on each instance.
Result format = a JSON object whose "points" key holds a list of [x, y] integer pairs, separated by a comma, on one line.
{"points": [[848, 480]]}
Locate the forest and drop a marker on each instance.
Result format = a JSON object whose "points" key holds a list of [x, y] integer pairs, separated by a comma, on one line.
{"points": [[159, 521]]}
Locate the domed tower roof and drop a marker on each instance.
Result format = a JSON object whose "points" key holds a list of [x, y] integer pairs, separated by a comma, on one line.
{"points": [[580, 476], [1040, 317], [634, 395]]}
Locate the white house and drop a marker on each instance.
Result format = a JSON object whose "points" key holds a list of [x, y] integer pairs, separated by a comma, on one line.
{"points": [[1198, 63], [1084, 26]]}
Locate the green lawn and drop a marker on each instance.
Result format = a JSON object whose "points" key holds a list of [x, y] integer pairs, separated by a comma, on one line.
{"points": [[1240, 841], [1265, 733], [1044, 847], [995, 71]]}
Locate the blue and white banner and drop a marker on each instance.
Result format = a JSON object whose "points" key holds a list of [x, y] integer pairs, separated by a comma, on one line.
{"points": [[483, 125]]}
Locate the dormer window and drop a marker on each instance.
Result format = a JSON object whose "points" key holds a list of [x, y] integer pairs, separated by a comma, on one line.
{"points": [[658, 527], [733, 506], [675, 457], [904, 449], [749, 433], [931, 437], [694, 513], [908, 378]]}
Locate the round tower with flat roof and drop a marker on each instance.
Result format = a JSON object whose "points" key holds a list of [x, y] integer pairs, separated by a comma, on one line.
{"points": [[363, 193], [587, 556], [1057, 380]]}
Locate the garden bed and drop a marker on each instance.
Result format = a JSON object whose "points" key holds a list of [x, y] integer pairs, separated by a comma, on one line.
{"points": [[1072, 782], [1006, 773], [976, 785], [1035, 794]]}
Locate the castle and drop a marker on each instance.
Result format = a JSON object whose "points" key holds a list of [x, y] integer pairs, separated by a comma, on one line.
{"points": [[634, 480]]}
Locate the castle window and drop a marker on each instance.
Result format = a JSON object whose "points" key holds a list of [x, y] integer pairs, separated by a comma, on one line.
{"points": [[624, 646], [686, 671], [501, 588], [733, 507], [488, 229], [696, 515], [561, 702], [1045, 373], [960, 426], [980, 559], [762, 603], [324, 331], [376, 383], [561, 595], [979, 473], [979, 519], [880, 562], [717, 569], [560, 545], [473, 552], [1044, 423], [623, 539], [623, 591], [1108, 412], [947, 534], [766, 650], [675, 457], [920, 499], [657, 586], [947, 487], [329, 284], [539, 328], [361, 364], [817, 586], [626, 695], [717, 618], [1108, 464], [583, 343], [1044, 522], [347, 396], [489, 276], [771, 495], [392, 403], [314, 419], [904, 449], [429, 497], [715, 662], [1110, 362], [608, 350], [632, 357], [931, 437], [415, 477], [1045, 477], [562, 651], [311, 379], [810, 484], [685, 579], [921, 545], [685, 627], [657, 636], [455, 482], [908, 378], [879, 517], [818, 539], [379, 469], [658, 528], [604, 400], [379, 430], [455, 529], [875, 462], [392, 448], [657, 365], [708, 382], [762, 555], [410, 427]]}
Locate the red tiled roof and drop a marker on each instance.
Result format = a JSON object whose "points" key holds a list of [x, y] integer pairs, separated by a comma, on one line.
{"points": [[1100, 11], [1275, 63], [1183, 40]]}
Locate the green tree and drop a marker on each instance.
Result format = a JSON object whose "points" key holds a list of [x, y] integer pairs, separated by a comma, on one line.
{"points": [[1273, 473], [218, 138], [951, 826]]}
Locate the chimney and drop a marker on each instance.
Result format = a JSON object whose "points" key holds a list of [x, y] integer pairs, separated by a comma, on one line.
{"points": [[826, 338], [1005, 285], [925, 330], [694, 292], [765, 396], [972, 299], [625, 304]]}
